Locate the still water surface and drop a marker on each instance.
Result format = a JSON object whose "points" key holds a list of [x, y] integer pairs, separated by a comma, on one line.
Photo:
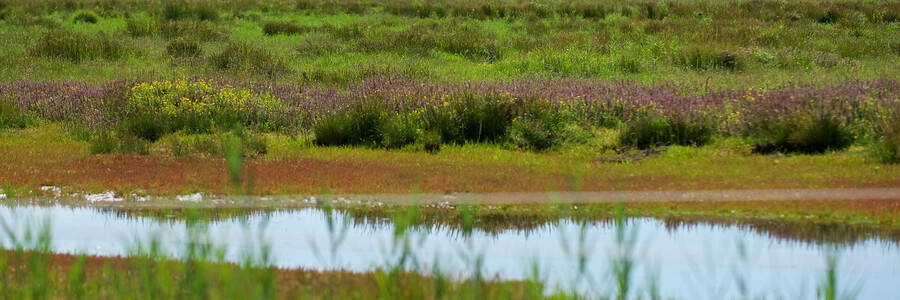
{"points": [[703, 261]]}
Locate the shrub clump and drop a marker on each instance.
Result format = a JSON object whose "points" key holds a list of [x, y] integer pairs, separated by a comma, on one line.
{"points": [[85, 16], [76, 47], [240, 56], [179, 48], [360, 124], [802, 134], [273, 28], [656, 130]]}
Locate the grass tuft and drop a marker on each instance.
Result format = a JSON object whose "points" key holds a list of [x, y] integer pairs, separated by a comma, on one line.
{"points": [[179, 48], [77, 47], [241, 56], [85, 16], [654, 130]]}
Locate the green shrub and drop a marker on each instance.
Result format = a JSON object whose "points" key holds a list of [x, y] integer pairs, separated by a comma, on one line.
{"points": [[820, 134], [273, 28], [530, 134], [442, 122], [85, 16], [240, 56], [145, 126], [484, 118], [397, 132], [803, 134], [654, 130], [182, 48], [76, 47], [358, 125]]}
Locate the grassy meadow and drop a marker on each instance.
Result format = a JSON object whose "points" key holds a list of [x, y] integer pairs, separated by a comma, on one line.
{"points": [[146, 98]]}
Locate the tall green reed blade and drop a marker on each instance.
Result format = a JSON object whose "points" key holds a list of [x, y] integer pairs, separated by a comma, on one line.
{"points": [[234, 160], [623, 260], [77, 284], [829, 286]]}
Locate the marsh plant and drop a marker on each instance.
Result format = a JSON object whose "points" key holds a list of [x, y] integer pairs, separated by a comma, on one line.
{"points": [[394, 112]]}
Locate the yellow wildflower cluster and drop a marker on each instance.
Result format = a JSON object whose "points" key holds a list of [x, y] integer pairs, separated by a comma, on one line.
{"points": [[199, 98]]}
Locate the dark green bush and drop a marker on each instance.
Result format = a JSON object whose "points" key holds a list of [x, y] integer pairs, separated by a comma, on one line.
{"points": [[358, 125], [76, 46], [145, 126], [654, 130], [240, 56], [803, 134], [182, 48], [484, 118], [440, 121], [820, 134], [85, 16], [273, 28]]}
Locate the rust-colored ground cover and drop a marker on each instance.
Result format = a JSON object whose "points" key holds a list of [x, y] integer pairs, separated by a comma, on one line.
{"points": [[40, 156]]}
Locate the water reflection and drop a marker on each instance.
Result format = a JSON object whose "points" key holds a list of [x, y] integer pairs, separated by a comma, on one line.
{"points": [[496, 222], [682, 259]]}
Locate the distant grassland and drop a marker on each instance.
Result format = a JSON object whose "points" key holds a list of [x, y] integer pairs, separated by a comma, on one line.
{"points": [[702, 44], [799, 77]]}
